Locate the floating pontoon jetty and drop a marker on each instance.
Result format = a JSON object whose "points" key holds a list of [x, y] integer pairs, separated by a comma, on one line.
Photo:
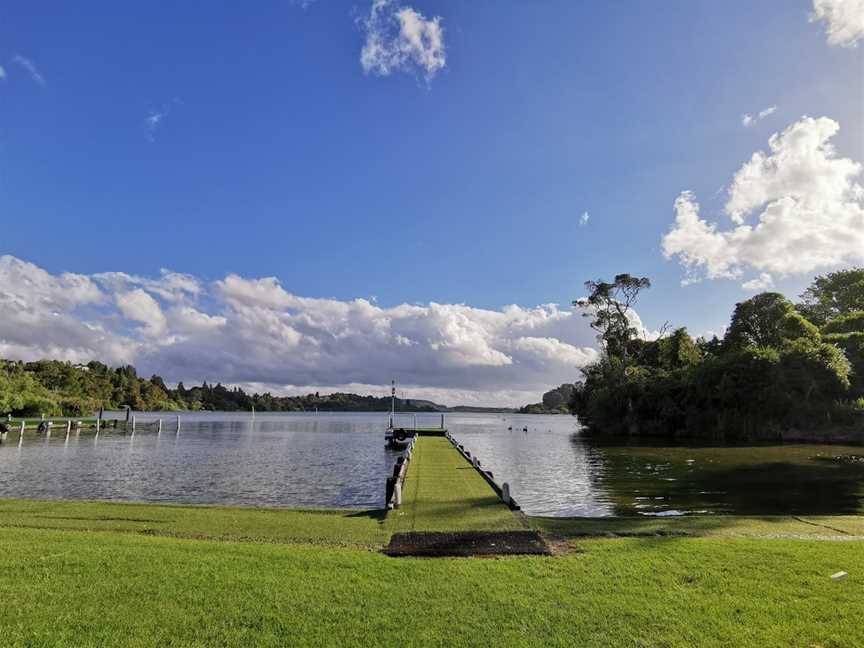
{"points": [[442, 502]]}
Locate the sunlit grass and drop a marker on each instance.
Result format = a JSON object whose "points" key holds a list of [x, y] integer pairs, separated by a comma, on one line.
{"points": [[82, 588], [325, 527]]}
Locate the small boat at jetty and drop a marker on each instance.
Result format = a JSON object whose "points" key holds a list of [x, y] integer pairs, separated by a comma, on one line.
{"points": [[399, 436]]}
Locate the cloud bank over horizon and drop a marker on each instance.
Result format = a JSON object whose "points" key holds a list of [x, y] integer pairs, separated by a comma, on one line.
{"points": [[253, 333]]}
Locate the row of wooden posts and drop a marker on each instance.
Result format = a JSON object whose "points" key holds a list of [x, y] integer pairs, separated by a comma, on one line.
{"points": [[393, 495], [129, 425]]}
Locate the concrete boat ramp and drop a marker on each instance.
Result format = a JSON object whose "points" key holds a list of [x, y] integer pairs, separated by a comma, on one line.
{"points": [[441, 502]]}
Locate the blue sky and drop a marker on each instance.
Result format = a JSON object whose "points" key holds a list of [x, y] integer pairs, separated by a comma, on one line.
{"points": [[211, 139]]}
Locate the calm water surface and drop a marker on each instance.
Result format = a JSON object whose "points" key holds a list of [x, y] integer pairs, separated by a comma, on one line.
{"points": [[339, 460]]}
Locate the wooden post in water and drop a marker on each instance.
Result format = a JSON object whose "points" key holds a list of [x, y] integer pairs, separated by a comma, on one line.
{"points": [[68, 428], [397, 493], [48, 431], [159, 427], [98, 424], [178, 423], [505, 493], [21, 433], [133, 426]]}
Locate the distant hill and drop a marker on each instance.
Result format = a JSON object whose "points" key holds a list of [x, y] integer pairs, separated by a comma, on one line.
{"points": [[58, 388], [555, 401]]}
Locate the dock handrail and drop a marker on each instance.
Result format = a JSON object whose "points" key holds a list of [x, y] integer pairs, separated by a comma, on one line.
{"points": [[393, 421]]}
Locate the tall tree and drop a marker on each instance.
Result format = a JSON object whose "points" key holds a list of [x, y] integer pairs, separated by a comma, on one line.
{"points": [[832, 295], [610, 306], [766, 320]]}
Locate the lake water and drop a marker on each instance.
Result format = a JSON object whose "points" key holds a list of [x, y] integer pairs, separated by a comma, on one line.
{"points": [[339, 460]]}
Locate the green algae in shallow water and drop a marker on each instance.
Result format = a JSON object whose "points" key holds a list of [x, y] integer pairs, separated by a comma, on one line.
{"points": [[741, 480]]}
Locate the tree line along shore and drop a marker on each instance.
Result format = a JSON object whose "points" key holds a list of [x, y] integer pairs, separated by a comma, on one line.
{"points": [[58, 388]]}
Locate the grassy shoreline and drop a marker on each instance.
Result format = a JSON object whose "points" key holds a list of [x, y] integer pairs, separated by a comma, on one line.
{"points": [[120, 574]]}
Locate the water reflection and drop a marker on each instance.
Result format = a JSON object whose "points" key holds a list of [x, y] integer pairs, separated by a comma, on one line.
{"points": [[297, 461], [745, 480], [339, 460]]}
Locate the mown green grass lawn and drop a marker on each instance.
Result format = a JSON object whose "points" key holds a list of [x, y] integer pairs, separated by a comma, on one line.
{"points": [[245, 577]]}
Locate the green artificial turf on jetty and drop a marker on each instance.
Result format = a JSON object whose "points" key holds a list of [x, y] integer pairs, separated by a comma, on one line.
{"points": [[443, 492]]}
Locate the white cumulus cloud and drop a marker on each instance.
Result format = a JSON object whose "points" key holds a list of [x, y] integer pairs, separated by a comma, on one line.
{"points": [[793, 210], [46, 316], [401, 39], [844, 20], [139, 306], [763, 282]]}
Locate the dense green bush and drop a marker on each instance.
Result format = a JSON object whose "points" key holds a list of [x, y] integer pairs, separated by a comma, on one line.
{"points": [[772, 372]]}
